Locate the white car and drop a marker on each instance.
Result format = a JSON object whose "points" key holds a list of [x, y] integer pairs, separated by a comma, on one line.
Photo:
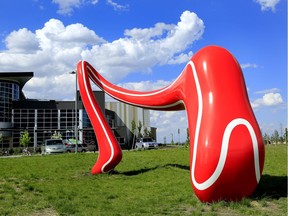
{"points": [[52, 146], [146, 143]]}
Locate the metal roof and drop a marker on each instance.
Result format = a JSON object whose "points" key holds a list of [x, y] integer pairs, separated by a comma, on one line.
{"points": [[18, 77]]}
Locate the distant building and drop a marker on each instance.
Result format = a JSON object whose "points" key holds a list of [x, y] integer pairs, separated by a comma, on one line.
{"points": [[43, 117], [120, 117]]}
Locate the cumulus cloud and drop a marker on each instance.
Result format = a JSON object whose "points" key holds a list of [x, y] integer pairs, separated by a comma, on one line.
{"points": [[271, 99], [139, 52], [54, 35], [54, 50], [22, 40], [146, 34], [268, 99], [141, 49], [268, 4]]}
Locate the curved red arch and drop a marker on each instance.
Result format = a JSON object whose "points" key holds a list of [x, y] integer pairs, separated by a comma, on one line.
{"points": [[226, 147]]}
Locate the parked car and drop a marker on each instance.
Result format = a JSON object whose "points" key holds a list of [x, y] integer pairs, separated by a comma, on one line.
{"points": [[51, 146], [71, 144], [80, 148], [145, 143], [91, 146]]}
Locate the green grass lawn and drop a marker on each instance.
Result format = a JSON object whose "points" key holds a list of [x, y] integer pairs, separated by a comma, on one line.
{"points": [[155, 182]]}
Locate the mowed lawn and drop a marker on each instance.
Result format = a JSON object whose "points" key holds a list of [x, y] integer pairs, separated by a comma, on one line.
{"points": [[154, 182]]}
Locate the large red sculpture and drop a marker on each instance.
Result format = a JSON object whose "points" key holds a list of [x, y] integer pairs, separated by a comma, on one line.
{"points": [[226, 147]]}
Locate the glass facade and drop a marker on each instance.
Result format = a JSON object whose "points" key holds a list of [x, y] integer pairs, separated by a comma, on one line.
{"points": [[9, 92], [44, 122]]}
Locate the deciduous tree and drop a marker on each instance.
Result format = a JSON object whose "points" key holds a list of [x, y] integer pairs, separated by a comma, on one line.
{"points": [[25, 139]]}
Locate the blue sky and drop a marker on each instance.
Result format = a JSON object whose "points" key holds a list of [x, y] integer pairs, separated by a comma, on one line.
{"points": [[145, 44]]}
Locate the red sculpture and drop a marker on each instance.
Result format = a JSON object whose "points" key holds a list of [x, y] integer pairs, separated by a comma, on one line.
{"points": [[226, 147]]}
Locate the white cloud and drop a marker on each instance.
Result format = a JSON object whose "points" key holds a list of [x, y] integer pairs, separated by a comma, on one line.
{"points": [[146, 34], [265, 91], [268, 99], [54, 35], [22, 40], [181, 58], [271, 99], [249, 65], [190, 28], [94, 2], [66, 6], [117, 6], [268, 4], [142, 49], [55, 49]]}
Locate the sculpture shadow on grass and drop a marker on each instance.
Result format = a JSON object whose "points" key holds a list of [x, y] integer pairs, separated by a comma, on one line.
{"points": [[144, 170], [273, 187]]}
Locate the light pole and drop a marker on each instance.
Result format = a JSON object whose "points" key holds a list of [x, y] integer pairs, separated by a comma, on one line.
{"points": [[76, 112]]}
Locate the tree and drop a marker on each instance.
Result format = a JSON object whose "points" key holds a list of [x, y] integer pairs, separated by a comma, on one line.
{"points": [[25, 139], [1, 140], [275, 137], [146, 132], [133, 127], [139, 127], [56, 135], [286, 135], [187, 137], [266, 139]]}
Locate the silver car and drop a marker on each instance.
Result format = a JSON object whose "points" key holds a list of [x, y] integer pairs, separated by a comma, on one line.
{"points": [[80, 148], [51, 146], [145, 143], [71, 143]]}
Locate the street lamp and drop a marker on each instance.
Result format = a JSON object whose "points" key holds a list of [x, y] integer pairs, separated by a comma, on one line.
{"points": [[76, 112]]}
